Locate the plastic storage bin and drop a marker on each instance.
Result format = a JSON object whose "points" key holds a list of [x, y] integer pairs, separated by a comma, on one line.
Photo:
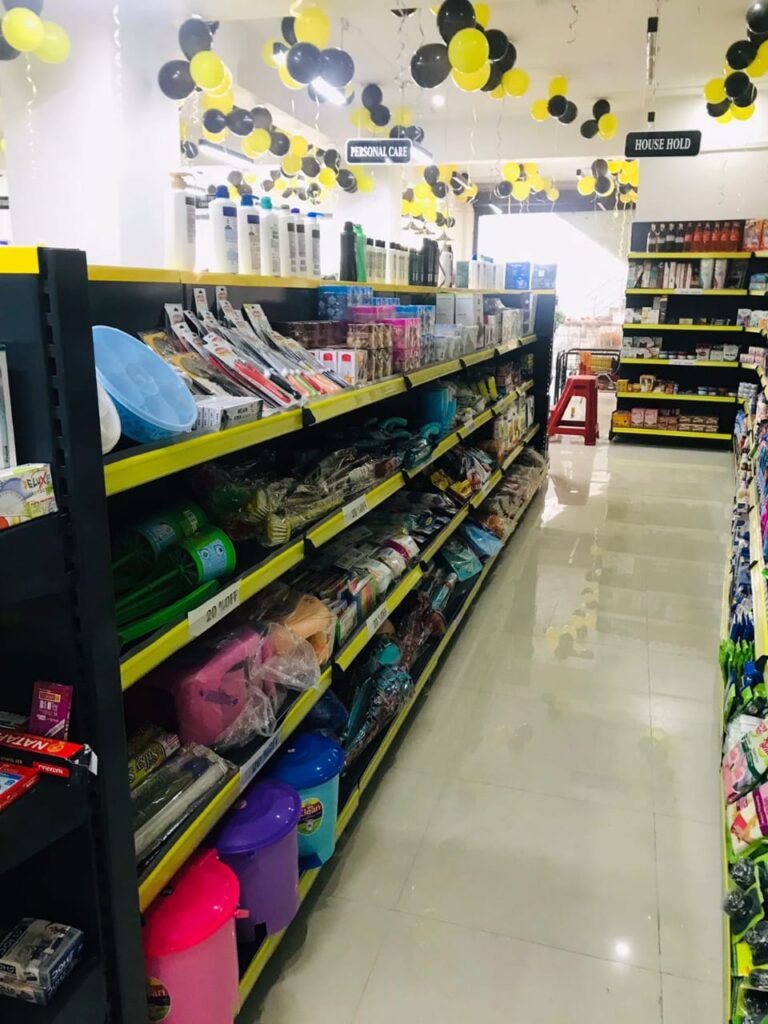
{"points": [[151, 399], [311, 765], [260, 843], [190, 952]]}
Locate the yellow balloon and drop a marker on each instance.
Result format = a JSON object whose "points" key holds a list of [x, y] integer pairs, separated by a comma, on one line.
{"points": [[756, 69], [607, 126], [743, 113], [633, 194], [268, 53], [286, 79], [497, 93], [366, 183], [510, 171], [430, 215], [423, 191], [468, 50], [625, 197], [624, 177], [553, 194], [521, 190], [726, 117], [482, 14], [714, 90], [312, 25], [558, 86], [225, 88], [546, 183], [299, 145], [536, 182], [214, 136], [207, 69], [586, 185], [531, 168], [471, 191], [281, 184], [327, 177], [515, 82], [473, 80], [223, 103], [55, 46], [291, 164], [615, 166], [23, 30], [539, 111], [446, 170], [762, 52], [233, 193], [416, 209], [402, 116], [361, 119], [258, 141], [405, 207]]}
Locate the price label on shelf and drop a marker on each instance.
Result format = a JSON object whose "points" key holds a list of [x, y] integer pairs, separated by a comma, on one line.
{"points": [[206, 615], [355, 510], [688, 291], [377, 620], [468, 424], [256, 763]]}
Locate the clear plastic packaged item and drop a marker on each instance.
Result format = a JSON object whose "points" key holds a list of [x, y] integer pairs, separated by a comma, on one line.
{"points": [[460, 559], [307, 615]]}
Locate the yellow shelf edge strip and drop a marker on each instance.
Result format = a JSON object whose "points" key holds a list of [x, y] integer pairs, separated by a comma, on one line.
{"points": [[145, 275], [665, 397], [688, 294], [757, 578], [19, 259], [653, 328], [689, 255], [672, 433], [722, 364]]}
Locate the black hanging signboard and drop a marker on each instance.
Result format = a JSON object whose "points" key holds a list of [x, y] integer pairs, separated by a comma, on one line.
{"points": [[663, 144], [378, 151]]}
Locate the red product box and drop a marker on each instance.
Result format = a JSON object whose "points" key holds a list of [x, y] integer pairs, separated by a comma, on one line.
{"points": [[51, 755], [15, 779]]}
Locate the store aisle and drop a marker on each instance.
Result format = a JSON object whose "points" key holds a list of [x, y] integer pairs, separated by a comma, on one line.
{"points": [[544, 844]]}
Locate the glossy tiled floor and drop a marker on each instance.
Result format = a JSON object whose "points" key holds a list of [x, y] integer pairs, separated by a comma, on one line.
{"points": [[543, 846]]}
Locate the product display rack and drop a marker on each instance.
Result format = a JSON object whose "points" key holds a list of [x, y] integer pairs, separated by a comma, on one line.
{"points": [[689, 372], [49, 289]]}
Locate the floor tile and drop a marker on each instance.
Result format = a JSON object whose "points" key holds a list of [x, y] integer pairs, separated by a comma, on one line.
{"points": [[689, 676], [431, 971], [685, 758], [691, 1002]]}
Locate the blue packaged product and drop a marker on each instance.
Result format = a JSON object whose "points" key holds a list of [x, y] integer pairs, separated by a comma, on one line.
{"points": [[333, 301], [517, 276]]}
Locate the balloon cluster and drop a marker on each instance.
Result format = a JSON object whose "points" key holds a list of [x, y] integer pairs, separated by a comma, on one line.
{"points": [[734, 94], [440, 182], [611, 177], [374, 116], [520, 181], [202, 68], [303, 57], [603, 123], [557, 106], [475, 56], [24, 31]]}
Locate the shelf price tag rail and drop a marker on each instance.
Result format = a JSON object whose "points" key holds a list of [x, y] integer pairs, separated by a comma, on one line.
{"points": [[268, 947], [196, 831]]}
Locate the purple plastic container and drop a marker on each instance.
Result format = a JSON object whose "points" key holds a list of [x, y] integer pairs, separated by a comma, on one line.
{"points": [[259, 841]]}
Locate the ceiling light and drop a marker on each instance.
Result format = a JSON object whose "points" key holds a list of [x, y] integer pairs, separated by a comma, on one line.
{"points": [[495, 208], [328, 92], [438, 100]]}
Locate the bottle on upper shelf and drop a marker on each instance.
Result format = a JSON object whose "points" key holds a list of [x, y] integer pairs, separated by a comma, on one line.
{"points": [[670, 243], [688, 237], [737, 228], [697, 237], [679, 238], [706, 237], [652, 240]]}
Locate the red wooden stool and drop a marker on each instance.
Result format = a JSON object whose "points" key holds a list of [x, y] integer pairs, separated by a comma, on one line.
{"points": [[581, 386]]}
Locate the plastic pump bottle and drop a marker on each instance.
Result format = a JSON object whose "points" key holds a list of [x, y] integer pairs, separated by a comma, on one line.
{"points": [[287, 235], [181, 226], [348, 268], [248, 237], [300, 227], [270, 241], [223, 214], [313, 245]]}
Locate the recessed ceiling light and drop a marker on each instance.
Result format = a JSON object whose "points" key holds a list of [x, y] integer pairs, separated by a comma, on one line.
{"points": [[438, 100]]}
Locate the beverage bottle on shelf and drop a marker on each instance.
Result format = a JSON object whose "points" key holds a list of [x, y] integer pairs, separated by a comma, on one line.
{"points": [[661, 239], [716, 236], [679, 238], [652, 241], [697, 236], [736, 235], [688, 237], [670, 243], [725, 237], [706, 237]]}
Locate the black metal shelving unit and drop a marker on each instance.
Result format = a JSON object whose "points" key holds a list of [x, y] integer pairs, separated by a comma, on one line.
{"points": [[57, 608]]}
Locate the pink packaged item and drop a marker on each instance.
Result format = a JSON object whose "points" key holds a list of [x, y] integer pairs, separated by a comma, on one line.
{"points": [[745, 764], [748, 819], [406, 344], [364, 314]]}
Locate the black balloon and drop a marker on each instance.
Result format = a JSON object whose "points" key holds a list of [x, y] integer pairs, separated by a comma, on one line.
{"points": [[175, 80], [314, 95], [274, 175], [757, 16], [32, 5], [498, 44], [301, 194], [267, 185], [397, 131], [302, 62], [332, 159], [431, 174], [346, 179], [279, 142], [235, 177], [371, 96], [337, 67], [504, 189], [7, 52], [494, 78], [747, 98], [287, 27], [570, 113], [507, 62], [439, 219], [453, 16], [737, 84], [589, 129], [450, 222], [757, 37], [602, 185], [740, 54], [557, 105], [599, 168], [189, 149], [310, 166], [239, 121], [457, 183], [314, 189], [245, 189], [599, 108], [440, 190], [261, 118], [214, 121], [408, 195], [430, 65], [195, 36], [287, 193], [716, 109], [380, 115]]}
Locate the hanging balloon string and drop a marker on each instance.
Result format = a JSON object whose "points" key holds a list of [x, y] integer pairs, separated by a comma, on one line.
{"points": [[573, 22], [30, 120], [116, 35]]}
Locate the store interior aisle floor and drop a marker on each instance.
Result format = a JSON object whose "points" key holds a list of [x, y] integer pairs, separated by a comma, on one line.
{"points": [[544, 844]]}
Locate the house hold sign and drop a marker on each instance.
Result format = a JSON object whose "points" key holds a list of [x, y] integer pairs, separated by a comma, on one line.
{"points": [[378, 151], [663, 144]]}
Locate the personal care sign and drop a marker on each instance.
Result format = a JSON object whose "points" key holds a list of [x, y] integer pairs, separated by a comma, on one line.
{"points": [[378, 151], [663, 144]]}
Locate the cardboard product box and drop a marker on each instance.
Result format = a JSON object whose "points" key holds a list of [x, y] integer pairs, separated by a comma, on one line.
{"points": [[333, 300], [753, 235], [517, 276], [462, 273], [445, 310], [469, 310], [352, 366], [544, 275], [621, 418], [219, 412], [26, 492], [651, 418], [637, 416]]}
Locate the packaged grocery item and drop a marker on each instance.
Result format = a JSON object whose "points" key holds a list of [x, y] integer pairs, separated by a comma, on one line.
{"points": [[15, 779], [39, 954], [51, 708], [651, 419], [747, 819], [637, 416], [26, 492], [753, 235], [52, 756]]}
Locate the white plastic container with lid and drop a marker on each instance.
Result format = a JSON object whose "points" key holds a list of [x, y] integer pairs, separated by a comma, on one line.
{"points": [[287, 238], [313, 245], [299, 226], [180, 226], [270, 239], [223, 214], [248, 237]]}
